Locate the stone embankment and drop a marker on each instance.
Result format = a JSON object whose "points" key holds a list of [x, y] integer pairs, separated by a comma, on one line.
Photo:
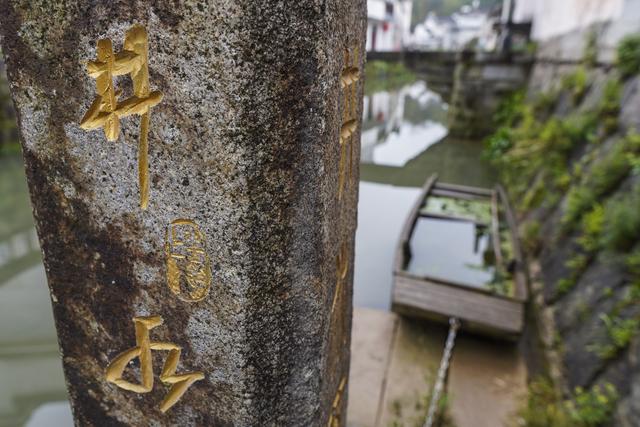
{"points": [[569, 152]]}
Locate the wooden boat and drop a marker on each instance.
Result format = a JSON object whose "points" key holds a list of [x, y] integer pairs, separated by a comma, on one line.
{"points": [[432, 291]]}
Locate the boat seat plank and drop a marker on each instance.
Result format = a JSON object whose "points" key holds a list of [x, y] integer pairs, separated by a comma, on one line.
{"points": [[483, 312]]}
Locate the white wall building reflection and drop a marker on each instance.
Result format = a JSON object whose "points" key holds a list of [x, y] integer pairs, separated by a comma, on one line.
{"points": [[390, 135]]}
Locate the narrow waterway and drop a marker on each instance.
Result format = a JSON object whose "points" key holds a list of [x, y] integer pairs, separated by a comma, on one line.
{"points": [[403, 142]]}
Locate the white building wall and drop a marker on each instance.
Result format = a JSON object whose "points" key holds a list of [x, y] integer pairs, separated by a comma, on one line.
{"points": [[404, 19], [553, 18], [386, 32], [369, 36]]}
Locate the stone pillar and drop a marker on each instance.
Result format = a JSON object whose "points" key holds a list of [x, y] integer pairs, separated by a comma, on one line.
{"points": [[222, 296]]}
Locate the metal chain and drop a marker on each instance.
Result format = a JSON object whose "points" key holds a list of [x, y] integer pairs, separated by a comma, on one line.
{"points": [[454, 325]]}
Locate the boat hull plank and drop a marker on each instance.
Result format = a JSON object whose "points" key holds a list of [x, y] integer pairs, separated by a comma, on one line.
{"points": [[480, 313]]}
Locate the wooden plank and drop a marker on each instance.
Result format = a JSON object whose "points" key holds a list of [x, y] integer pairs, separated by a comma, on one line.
{"points": [[449, 282], [456, 194], [484, 313], [402, 248], [486, 192], [452, 218]]}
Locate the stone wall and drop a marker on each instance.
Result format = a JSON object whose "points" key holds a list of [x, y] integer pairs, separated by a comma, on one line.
{"points": [[480, 82], [585, 291]]}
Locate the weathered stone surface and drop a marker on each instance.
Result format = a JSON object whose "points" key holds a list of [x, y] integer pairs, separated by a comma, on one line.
{"points": [[480, 82], [245, 143], [572, 323], [592, 294]]}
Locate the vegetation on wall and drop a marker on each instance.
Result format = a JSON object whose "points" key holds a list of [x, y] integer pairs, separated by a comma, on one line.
{"points": [[572, 170], [603, 177], [628, 55], [609, 107], [545, 407], [620, 332], [577, 84], [531, 149], [590, 54]]}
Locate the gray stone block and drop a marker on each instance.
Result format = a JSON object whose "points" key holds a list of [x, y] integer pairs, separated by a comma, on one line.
{"points": [[257, 125]]}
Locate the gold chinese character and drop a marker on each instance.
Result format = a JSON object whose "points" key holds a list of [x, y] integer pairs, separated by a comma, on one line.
{"points": [[179, 382], [342, 268], [188, 265], [106, 110], [334, 419], [348, 82]]}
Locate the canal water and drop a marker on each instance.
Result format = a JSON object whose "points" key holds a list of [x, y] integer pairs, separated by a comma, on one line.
{"points": [[404, 141]]}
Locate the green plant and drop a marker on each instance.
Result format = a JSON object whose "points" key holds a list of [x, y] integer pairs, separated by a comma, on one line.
{"points": [[531, 236], [633, 294], [576, 265], [498, 143], [592, 225], [594, 407], [605, 176], [544, 102], [610, 102], [581, 127], [534, 195], [510, 109], [621, 228], [538, 151], [609, 107], [565, 284], [576, 83], [628, 55], [590, 53], [620, 332], [632, 262], [545, 407], [563, 181], [634, 161], [578, 200]]}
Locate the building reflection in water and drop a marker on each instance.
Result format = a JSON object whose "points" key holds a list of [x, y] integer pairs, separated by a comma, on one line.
{"points": [[400, 124]]}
